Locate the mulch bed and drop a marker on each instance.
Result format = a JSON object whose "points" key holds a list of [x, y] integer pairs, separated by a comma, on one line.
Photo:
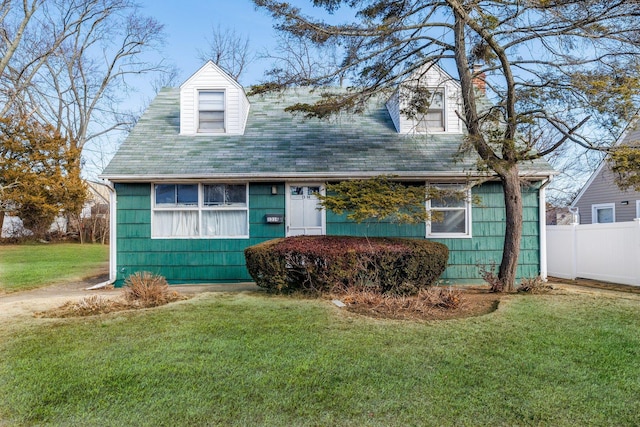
{"points": [[473, 301]]}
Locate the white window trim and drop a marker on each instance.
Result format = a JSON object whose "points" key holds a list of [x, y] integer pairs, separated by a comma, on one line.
{"points": [[467, 219], [637, 209], [415, 122], [594, 211], [197, 111], [199, 208]]}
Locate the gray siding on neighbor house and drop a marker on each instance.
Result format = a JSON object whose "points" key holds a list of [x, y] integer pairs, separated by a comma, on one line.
{"points": [[602, 189]]}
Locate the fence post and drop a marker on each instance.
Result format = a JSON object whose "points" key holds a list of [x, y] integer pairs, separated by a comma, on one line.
{"points": [[574, 250], [636, 248]]}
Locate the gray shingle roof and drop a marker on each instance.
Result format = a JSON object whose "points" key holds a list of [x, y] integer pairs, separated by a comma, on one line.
{"points": [[279, 144]]}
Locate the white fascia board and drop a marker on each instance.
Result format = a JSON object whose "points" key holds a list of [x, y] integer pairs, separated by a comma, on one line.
{"points": [[211, 64], [266, 177]]}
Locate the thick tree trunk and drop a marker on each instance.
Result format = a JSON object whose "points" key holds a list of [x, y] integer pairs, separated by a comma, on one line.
{"points": [[513, 230]]}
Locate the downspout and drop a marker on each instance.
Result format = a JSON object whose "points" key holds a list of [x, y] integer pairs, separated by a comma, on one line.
{"points": [[543, 227], [112, 240]]}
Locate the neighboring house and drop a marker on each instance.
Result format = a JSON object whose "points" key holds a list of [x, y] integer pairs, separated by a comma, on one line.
{"points": [[559, 215], [97, 204], [208, 171], [600, 200]]}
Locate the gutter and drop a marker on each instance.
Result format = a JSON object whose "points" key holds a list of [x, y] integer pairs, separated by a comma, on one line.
{"points": [[445, 176], [112, 240], [543, 227]]}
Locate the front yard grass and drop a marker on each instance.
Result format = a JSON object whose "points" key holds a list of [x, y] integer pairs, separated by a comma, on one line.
{"points": [[33, 265], [252, 359]]}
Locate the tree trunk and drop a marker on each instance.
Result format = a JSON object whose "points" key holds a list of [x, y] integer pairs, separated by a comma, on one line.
{"points": [[513, 230]]}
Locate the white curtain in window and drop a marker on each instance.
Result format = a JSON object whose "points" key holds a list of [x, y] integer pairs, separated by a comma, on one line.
{"points": [[175, 223], [224, 223]]}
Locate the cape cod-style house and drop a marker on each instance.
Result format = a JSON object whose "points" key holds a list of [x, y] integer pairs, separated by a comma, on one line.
{"points": [[208, 171]]}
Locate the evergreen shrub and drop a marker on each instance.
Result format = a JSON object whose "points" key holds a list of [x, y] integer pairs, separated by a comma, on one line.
{"points": [[330, 263]]}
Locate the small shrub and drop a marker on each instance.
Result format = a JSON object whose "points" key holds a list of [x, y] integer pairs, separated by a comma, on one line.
{"points": [[535, 285], [326, 263], [446, 298], [147, 290], [490, 277]]}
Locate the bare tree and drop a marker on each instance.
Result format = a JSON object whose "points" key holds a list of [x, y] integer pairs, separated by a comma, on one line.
{"points": [[556, 72], [227, 49], [300, 61], [12, 31], [81, 85], [72, 63]]}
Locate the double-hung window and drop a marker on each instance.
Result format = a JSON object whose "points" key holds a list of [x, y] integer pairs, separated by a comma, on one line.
{"points": [[224, 211], [211, 111], [200, 210], [433, 119], [450, 212]]}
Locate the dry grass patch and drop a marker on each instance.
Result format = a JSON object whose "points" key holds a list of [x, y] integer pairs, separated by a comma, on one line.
{"points": [[534, 286], [87, 306], [141, 290]]}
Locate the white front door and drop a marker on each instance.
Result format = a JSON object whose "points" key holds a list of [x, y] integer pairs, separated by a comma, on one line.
{"points": [[303, 215]]}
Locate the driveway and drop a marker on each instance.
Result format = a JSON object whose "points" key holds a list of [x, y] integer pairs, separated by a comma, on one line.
{"points": [[26, 303]]}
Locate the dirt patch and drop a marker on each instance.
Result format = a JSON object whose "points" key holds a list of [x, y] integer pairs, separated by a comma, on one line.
{"points": [[595, 284]]}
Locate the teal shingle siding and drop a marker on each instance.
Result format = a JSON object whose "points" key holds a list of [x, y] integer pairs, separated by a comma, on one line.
{"points": [[222, 260], [189, 260]]}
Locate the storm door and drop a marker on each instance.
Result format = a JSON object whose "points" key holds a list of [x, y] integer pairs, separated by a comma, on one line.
{"points": [[303, 215]]}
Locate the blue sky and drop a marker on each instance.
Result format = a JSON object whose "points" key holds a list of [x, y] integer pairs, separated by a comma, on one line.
{"points": [[188, 24]]}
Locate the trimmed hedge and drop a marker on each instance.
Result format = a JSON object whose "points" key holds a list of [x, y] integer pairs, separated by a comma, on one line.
{"points": [[327, 263]]}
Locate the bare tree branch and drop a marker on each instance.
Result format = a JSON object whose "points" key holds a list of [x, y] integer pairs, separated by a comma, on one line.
{"points": [[557, 73], [227, 49]]}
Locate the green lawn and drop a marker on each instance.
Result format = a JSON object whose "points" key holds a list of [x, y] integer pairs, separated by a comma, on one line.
{"points": [[255, 360], [33, 265]]}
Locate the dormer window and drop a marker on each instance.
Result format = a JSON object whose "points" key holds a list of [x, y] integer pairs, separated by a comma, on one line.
{"points": [[433, 119], [212, 103], [211, 111]]}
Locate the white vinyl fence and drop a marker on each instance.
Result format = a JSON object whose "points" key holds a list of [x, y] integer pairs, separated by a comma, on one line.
{"points": [[607, 252]]}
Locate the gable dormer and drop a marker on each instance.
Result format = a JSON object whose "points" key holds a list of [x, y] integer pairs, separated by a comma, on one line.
{"points": [[212, 103], [440, 92]]}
